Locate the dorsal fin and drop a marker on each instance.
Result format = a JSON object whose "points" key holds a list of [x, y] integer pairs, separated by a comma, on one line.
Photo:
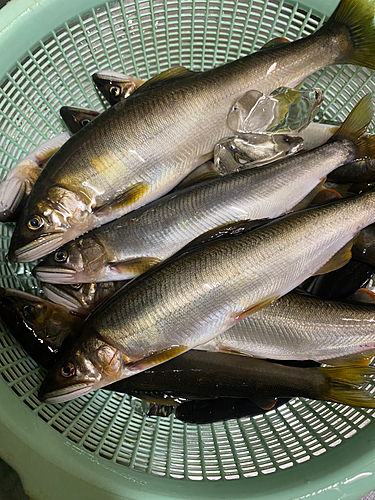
{"points": [[165, 76]]}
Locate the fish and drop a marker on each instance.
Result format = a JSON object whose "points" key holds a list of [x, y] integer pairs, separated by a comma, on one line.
{"points": [[203, 291], [284, 110], [142, 147], [82, 298], [77, 118], [206, 375], [129, 246], [115, 86], [359, 170], [364, 246], [208, 411], [301, 327], [19, 181], [37, 324]]}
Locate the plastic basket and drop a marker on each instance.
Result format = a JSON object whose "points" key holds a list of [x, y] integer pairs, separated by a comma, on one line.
{"points": [[100, 445]]}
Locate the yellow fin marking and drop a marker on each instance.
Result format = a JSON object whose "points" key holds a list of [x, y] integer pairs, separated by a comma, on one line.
{"points": [[357, 121], [157, 358], [341, 386], [136, 266], [357, 359], [340, 259], [257, 307], [127, 198]]}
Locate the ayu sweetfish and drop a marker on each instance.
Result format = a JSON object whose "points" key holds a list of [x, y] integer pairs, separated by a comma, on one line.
{"points": [[200, 293], [128, 246], [39, 326], [81, 298], [19, 181], [207, 411], [115, 86], [142, 147], [302, 327], [203, 375]]}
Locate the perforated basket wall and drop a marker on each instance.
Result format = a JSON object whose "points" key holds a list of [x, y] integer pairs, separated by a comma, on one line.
{"points": [[143, 38]]}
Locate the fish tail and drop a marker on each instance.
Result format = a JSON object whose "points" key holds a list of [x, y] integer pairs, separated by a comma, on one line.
{"points": [[356, 122], [358, 18], [342, 385]]}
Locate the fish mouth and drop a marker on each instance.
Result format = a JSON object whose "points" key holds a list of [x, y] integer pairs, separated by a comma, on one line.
{"points": [[66, 393], [37, 249], [60, 297], [57, 275]]}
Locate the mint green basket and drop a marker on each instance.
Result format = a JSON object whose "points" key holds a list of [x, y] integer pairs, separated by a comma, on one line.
{"points": [[100, 446]]}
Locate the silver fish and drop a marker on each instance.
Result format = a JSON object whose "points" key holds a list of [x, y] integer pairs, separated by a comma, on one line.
{"points": [[131, 245], [146, 144], [201, 293], [301, 327]]}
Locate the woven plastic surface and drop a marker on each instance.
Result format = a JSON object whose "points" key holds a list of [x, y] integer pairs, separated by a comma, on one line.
{"points": [[143, 38]]}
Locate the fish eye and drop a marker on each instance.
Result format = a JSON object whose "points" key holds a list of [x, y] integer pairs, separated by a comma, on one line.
{"points": [[85, 122], [287, 139], [27, 310], [35, 222], [68, 370], [317, 95], [76, 286], [114, 91], [61, 256]]}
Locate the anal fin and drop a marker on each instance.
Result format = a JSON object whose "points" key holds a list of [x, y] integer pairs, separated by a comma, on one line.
{"points": [[357, 359], [340, 259], [130, 196]]}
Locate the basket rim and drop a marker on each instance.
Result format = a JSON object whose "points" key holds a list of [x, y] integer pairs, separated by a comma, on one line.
{"points": [[29, 445]]}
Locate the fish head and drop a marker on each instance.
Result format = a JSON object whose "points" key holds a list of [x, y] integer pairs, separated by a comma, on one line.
{"points": [[83, 260], [115, 86], [87, 365], [289, 144], [15, 188], [48, 222], [79, 297], [39, 325]]}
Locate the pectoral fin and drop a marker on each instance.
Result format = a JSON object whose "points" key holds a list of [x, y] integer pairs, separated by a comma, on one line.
{"points": [[340, 259], [134, 267], [117, 206], [257, 307], [157, 358]]}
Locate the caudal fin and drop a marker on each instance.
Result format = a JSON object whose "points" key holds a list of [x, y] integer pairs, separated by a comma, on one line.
{"points": [[342, 386], [358, 18], [356, 122]]}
